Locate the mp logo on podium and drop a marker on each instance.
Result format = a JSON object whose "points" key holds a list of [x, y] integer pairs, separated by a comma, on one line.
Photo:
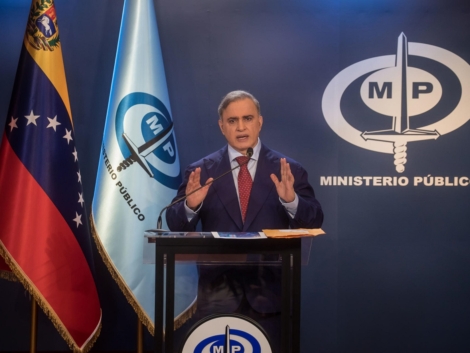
{"points": [[226, 334], [383, 103]]}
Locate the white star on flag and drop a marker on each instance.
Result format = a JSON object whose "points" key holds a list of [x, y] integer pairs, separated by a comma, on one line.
{"points": [[75, 154], [78, 219], [68, 135], [31, 118], [80, 199], [13, 124], [53, 123], [79, 177]]}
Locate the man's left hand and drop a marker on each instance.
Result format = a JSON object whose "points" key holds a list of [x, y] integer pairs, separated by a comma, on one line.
{"points": [[285, 187]]}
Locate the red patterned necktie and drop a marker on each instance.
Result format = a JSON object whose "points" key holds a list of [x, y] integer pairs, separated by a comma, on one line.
{"points": [[244, 184]]}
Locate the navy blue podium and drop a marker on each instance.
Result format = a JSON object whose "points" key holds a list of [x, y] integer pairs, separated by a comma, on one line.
{"points": [[168, 245]]}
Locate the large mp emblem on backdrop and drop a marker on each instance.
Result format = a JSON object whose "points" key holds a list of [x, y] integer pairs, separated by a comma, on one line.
{"points": [[384, 103]]}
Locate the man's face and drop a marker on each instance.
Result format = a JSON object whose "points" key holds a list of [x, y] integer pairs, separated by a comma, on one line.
{"points": [[241, 124]]}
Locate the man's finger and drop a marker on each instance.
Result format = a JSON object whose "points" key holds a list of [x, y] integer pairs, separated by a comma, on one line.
{"points": [[289, 174], [283, 169], [208, 182], [197, 175], [275, 179]]}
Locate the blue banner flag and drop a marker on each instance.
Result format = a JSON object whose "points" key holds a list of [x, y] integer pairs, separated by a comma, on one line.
{"points": [[139, 169]]}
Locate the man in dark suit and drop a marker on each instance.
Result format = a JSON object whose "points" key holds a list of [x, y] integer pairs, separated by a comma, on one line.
{"points": [[274, 194]]}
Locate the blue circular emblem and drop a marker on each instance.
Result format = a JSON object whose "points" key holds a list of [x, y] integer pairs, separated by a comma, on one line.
{"points": [[222, 333], [146, 134]]}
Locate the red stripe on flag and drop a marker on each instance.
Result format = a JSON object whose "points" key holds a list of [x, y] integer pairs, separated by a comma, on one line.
{"points": [[42, 244], [51, 13]]}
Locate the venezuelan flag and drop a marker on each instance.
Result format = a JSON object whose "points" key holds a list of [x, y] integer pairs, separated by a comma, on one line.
{"points": [[44, 236]]}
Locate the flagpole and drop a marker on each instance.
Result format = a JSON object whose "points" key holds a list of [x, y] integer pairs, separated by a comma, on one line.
{"points": [[34, 326], [140, 336]]}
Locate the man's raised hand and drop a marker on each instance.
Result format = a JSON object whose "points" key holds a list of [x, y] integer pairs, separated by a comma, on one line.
{"points": [[285, 186], [194, 200]]}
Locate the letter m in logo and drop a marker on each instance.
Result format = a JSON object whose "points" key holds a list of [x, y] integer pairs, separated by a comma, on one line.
{"points": [[380, 91], [217, 349]]}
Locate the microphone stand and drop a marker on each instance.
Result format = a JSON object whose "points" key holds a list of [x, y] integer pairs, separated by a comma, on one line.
{"points": [[249, 153]]}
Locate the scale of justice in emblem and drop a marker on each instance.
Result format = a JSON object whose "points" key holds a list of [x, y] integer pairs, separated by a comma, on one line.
{"points": [[419, 94]]}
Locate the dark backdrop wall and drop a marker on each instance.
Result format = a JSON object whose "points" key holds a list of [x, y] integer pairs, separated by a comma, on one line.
{"points": [[391, 275]]}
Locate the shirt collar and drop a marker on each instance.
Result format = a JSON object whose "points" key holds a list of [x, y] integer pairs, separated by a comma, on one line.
{"points": [[233, 153]]}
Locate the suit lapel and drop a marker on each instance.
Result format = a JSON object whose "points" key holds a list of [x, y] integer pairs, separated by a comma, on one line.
{"points": [[225, 188], [262, 185]]}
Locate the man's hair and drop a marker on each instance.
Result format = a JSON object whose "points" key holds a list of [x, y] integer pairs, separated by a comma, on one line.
{"points": [[236, 96]]}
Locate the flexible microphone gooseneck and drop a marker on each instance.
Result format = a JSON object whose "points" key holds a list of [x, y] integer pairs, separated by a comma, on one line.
{"points": [[249, 153]]}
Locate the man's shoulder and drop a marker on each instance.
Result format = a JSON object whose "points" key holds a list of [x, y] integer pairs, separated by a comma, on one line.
{"points": [[275, 156], [214, 157]]}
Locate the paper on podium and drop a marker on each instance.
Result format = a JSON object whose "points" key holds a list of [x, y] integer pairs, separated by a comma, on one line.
{"points": [[293, 233]]}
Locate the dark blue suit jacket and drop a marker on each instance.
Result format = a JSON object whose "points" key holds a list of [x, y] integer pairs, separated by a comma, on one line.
{"points": [[220, 210], [221, 288]]}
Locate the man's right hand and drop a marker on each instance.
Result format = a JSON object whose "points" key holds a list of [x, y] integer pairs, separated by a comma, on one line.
{"points": [[194, 200]]}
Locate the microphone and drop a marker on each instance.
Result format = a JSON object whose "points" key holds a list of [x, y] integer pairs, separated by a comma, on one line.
{"points": [[249, 153]]}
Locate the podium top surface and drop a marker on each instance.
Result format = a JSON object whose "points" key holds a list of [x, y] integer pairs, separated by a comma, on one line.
{"points": [[167, 234], [206, 243], [237, 240], [204, 235]]}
